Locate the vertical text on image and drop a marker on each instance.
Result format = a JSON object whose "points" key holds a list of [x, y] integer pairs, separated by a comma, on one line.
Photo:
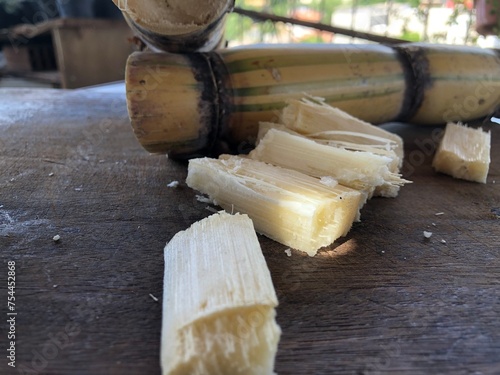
{"points": [[11, 313]]}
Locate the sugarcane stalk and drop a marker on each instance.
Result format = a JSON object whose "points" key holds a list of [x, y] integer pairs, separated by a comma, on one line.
{"points": [[177, 25], [201, 103]]}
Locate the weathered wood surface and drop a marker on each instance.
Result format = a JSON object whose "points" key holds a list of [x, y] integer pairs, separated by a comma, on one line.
{"points": [[384, 300]]}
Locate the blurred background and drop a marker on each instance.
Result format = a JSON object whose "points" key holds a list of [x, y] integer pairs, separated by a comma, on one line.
{"points": [[437, 21], [79, 43], [62, 43]]}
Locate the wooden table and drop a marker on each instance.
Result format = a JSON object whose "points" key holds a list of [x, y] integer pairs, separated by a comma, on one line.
{"points": [[383, 300]]}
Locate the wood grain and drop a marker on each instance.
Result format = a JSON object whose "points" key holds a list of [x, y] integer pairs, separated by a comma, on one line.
{"points": [[383, 300]]}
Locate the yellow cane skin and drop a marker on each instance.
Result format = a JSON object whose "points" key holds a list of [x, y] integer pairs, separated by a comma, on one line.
{"points": [[193, 103]]}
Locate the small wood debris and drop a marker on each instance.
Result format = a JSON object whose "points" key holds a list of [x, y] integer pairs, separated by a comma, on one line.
{"points": [[288, 252], [202, 199], [427, 234], [173, 184], [153, 297], [328, 181], [56, 238], [439, 213], [53, 161], [443, 241], [211, 209]]}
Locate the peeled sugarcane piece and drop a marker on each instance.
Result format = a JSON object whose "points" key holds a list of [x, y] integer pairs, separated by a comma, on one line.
{"points": [[218, 301], [232, 90], [317, 119], [464, 153], [297, 210], [177, 25], [359, 170], [348, 140]]}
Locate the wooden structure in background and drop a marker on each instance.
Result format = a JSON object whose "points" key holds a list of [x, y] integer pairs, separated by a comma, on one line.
{"points": [[69, 53]]}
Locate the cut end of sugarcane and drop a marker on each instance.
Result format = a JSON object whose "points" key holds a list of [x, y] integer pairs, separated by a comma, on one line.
{"points": [[177, 117], [219, 301], [297, 210], [464, 153], [174, 17]]}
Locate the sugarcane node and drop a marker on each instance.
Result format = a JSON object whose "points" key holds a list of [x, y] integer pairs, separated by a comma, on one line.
{"points": [[417, 76], [221, 139], [207, 69]]}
